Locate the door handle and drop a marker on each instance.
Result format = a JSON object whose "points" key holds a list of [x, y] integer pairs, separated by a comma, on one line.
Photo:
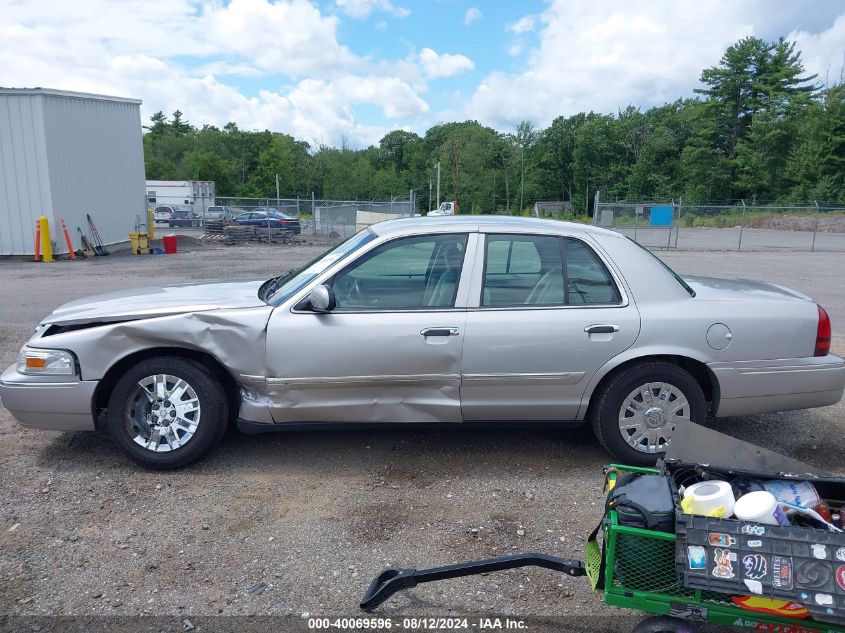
{"points": [[601, 329], [440, 331]]}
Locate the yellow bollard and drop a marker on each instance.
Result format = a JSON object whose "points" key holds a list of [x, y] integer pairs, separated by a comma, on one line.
{"points": [[151, 224], [46, 245]]}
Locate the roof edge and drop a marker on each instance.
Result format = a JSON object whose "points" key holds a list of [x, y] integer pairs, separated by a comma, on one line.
{"points": [[52, 92]]}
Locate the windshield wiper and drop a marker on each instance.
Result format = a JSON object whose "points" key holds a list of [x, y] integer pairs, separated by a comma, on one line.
{"points": [[273, 283]]}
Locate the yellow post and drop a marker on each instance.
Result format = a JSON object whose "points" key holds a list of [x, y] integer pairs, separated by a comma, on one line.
{"points": [[46, 245], [151, 224]]}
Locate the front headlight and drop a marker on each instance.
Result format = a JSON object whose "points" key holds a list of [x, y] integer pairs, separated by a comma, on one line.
{"points": [[46, 362]]}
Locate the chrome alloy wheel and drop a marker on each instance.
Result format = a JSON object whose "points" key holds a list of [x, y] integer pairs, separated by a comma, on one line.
{"points": [[649, 414], [162, 413]]}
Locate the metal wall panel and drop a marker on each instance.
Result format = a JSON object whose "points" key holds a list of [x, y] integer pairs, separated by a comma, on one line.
{"points": [[65, 155], [24, 179], [96, 158]]}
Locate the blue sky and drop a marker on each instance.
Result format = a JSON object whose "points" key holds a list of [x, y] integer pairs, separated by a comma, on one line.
{"points": [[348, 71]]}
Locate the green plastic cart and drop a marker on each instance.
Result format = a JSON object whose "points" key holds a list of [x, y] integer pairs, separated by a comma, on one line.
{"points": [[636, 568]]}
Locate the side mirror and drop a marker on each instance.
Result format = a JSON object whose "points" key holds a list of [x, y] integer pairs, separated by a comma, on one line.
{"points": [[322, 299]]}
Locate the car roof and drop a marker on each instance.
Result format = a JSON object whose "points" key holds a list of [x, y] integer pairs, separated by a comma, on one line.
{"points": [[504, 223]]}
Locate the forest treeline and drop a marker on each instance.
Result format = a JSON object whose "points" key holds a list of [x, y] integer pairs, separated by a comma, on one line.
{"points": [[759, 128]]}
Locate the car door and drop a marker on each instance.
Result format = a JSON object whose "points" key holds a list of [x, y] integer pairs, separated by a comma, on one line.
{"points": [[546, 315], [389, 351]]}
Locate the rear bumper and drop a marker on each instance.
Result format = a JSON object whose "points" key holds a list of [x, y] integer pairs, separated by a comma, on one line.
{"points": [[752, 387], [48, 404]]}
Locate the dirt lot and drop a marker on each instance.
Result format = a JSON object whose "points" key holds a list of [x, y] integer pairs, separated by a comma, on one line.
{"points": [[298, 523]]}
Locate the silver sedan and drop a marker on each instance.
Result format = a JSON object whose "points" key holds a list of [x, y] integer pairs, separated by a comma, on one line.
{"points": [[460, 320]]}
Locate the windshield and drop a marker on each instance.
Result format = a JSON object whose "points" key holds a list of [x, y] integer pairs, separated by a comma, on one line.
{"points": [[677, 277], [296, 279]]}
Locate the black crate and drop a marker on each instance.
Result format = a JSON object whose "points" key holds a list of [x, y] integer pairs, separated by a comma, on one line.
{"points": [[802, 564]]}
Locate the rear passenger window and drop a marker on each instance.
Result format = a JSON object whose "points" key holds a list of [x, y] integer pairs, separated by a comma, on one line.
{"points": [[537, 270], [588, 280], [523, 270]]}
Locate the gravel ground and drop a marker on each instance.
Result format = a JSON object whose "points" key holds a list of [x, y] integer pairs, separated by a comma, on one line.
{"points": [[299, 523]]}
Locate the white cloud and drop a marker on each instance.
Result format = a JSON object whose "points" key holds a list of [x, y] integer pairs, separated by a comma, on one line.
{"points": [[591, 57], [436, 65], [515, 50], [823, 53], [472, 14], [522, 25], [47, 44], [360, 9]]}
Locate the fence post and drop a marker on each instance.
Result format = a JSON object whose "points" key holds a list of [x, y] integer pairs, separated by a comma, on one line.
{"points": [[671, 224], [596, 208], [815, 227], [678, 227], [636, 222], [313, 213], [741, 226]]}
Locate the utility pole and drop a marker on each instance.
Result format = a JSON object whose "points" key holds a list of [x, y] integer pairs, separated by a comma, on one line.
{"points": [[278, 204], [521, 176], [437, 167], [429, 195]]}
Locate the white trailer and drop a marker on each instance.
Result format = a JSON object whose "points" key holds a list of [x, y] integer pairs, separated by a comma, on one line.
{"points": [[191, 195]]}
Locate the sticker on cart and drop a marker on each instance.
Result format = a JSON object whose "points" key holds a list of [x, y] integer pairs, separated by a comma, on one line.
{"points": [[824, 599], [819, 551], [811, 574], [723, 560], [687, 612], [756, 566], [840, 554], [754, 586], [753, 530], [782, 572], [840, 577], [721, 540], [754, 543], [697, 557]]}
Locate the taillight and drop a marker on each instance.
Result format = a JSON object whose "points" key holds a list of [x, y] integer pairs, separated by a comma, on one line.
{"points": [[822, 334]]}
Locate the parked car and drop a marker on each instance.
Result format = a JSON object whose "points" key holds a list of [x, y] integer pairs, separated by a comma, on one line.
{"points": [[218, 213], [261, 216], [184, 217], [424, 320], [163, 214]]}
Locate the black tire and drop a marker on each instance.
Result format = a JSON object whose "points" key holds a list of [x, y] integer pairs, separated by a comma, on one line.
{"points": [[606, 405], [213, 416]]}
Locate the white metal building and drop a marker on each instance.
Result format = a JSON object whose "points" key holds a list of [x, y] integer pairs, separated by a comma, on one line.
{"points": [[64, 155], [193, 195]]}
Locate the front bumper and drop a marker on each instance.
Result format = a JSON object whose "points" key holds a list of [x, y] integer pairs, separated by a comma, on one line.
{"points": [[56, 403], [750, 387]]}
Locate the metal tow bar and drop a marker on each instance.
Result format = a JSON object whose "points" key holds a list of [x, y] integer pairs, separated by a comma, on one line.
{"points": [[395, 579]]}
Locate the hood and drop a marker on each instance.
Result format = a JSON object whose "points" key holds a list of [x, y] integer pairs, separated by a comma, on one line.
{"points": [[718, 288], [125, 305]]}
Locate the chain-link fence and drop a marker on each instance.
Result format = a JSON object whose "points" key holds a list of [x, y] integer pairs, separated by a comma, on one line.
{"points": [[231, 218], [714, 227]]}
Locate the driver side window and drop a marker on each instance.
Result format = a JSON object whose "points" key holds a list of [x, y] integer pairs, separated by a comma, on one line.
{"points": [[411, 273]]}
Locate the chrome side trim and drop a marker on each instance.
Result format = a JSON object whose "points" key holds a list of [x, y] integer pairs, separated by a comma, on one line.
{"points": [[384, 379], [562, 378], [785, 369]]}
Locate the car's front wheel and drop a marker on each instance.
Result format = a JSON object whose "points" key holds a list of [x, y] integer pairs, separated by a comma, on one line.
{"points": [[167, 412], [636, 413]]}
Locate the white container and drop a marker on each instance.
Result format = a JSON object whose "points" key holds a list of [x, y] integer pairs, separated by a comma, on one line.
{"points": [[706, 497], [760, 507]]}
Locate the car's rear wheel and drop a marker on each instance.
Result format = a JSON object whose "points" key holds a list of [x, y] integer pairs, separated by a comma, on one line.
{"points": [[167, 412], [636, 413]]}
